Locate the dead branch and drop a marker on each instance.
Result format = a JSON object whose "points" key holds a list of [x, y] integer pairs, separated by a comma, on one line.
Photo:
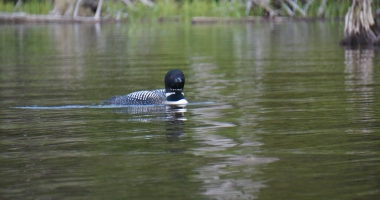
{"points": [[129, 4], [306, 6], [321, 9], [77, 5], [18, 6], [296, 7], [98, 9], [147, 3], [266, 7], [287, 9]]}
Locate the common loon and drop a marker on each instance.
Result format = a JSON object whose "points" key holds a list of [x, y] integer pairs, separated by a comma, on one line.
{"points": [[171, 95]]}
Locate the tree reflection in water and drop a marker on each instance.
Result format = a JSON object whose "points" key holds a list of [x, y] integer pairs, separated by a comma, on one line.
{"points": [[359, 78]]}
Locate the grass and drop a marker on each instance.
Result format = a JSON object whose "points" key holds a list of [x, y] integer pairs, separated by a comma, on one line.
{"points": [[171, 8], [212, 9], [334, 9], [6, 7], [32, 7]]}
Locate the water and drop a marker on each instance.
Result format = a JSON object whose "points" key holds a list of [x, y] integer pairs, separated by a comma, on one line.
{"points": [[278, 111]]}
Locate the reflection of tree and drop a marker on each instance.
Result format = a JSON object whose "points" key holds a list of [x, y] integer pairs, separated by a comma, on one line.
{"points": [[359, 69]]}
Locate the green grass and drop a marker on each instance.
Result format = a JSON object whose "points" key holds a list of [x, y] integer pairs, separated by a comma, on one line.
{"points": [[32, 7], [6, 7], [334, 9], [170, 8]]}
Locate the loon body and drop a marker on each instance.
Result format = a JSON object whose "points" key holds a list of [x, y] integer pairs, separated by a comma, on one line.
{"points": [[171, 95]]}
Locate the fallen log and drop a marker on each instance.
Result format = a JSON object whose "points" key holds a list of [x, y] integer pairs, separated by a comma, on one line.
{"points": [[25, 17], [210, 20]]}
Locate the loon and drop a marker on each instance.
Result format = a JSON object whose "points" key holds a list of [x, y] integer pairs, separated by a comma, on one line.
{"points": [[171, 95]]}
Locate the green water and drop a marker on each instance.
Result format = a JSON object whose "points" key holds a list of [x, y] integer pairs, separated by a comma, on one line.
{"points": [[294, 115]]}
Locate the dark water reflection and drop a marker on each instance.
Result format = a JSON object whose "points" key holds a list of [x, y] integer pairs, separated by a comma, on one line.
{"points": [[295, 116]]}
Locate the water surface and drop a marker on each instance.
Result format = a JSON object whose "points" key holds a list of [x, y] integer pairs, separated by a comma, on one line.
{"points": [[294, 115]]}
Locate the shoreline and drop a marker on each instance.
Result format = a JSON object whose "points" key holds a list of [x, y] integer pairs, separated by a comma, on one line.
{"points": [[22, 17]]}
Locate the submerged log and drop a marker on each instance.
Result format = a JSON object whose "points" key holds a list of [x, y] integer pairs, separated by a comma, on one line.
{"points": [[360, 26]]}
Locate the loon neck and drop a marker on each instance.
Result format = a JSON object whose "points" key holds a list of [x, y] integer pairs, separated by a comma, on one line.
{"points": [[171, 93], [174, 96], [175, 99]]}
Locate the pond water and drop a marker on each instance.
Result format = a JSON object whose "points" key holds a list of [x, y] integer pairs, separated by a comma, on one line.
{"points": [[278, 111]]}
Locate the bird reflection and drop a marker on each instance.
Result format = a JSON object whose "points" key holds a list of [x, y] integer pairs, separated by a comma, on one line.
{"points": [[175, 119], [174, 116]]}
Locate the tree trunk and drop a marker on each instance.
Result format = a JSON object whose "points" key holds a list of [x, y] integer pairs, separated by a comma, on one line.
{"points": [[360, 27]]}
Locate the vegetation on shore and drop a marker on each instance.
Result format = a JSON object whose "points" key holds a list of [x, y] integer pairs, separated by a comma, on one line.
{"points": [[186, 9], [31, 6]]}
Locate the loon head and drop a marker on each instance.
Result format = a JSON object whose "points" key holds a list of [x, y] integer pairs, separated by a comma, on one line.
{"points": [[174, 83]]}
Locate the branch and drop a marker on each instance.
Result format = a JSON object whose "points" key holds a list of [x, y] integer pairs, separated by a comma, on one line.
{"points": [[287, 9], [306, 6], [147, 3], [129, 4], [98, 9], [266, 7], [79, 2], [18, 4], [321, 8], [296, 7], [248, 6]]}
